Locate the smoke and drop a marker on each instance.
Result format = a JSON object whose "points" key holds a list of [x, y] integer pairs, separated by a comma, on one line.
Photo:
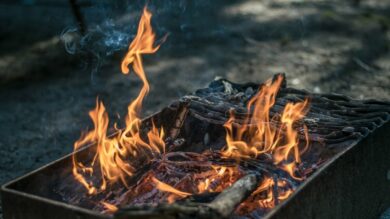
{"points": [[102, 41], [115, 26]]}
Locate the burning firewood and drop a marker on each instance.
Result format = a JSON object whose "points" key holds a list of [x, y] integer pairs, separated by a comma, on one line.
{"points": [[228, 150], [211, 142], [206, 177]]}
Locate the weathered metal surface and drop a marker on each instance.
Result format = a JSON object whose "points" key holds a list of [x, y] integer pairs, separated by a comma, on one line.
{"points": [[19, 203], [354, 184]]}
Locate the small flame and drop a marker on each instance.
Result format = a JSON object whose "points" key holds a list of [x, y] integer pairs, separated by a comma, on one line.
{"points": [[262, 135], [292, 113], [264, 196], [266, 184], [113, 154], [220, 178], [259, 134], [110, 207], [204, 186], [167, 188]]}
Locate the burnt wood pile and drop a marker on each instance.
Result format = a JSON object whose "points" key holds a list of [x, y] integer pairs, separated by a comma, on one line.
{"points": [[195, 135]]}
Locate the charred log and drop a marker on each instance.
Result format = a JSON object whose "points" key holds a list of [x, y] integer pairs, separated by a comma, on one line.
{"points": [[221, 207]]}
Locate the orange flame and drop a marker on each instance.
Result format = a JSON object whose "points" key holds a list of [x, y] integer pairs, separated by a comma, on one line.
{"points": [[167, 188], [264, 196], [113, 154], [263, 136], [204, 185], [221, 178], [142, 44], [259, 134], [110, 207], [292, 113]]}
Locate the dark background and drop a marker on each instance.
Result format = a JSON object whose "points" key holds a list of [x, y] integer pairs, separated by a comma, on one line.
{"points": [[46, 92]]}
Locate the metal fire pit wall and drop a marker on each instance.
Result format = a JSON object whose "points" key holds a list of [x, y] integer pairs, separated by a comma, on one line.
{"points": [[355, 183], [19, 202]]}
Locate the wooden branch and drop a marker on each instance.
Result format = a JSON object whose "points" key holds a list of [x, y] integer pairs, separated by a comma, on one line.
{"points": [[226, 202], [221, 207]]}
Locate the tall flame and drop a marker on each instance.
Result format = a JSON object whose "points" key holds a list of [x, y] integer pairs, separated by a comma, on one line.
{"points": [[259, 135], [142, 44], [114, 154]]}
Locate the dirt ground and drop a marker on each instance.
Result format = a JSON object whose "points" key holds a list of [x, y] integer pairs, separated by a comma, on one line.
{"points": [[45, 93]]}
